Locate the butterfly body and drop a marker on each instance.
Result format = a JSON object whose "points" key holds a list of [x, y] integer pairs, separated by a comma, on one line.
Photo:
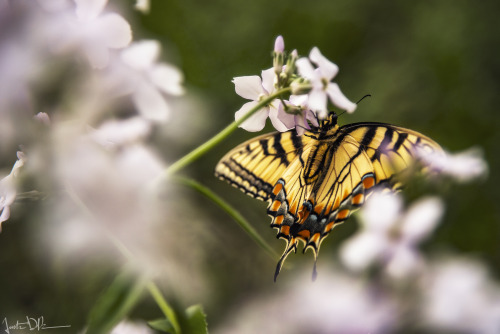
{"points": [[313, 182]]}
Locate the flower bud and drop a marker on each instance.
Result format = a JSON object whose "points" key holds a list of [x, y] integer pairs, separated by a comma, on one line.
{"points": [[279, 44], [278, 55]]}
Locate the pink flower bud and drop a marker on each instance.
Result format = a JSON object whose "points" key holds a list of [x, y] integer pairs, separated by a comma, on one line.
{"points": [[279, 44]]}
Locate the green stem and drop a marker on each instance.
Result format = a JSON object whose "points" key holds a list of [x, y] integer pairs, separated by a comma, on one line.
{"points": [[153, 289], [208, 145], [167, 310], [244, 224]]}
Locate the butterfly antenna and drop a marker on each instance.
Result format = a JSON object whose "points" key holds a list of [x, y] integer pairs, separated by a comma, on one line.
{"points": [[361, 99]]}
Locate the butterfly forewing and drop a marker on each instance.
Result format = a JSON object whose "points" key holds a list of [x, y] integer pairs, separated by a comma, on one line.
{"points": [[256, 165]]}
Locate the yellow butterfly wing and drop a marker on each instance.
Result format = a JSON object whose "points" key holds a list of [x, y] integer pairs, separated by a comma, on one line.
{"points": [[356, 158], [256, 165]]}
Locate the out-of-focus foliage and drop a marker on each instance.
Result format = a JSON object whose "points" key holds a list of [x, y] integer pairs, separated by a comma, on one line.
{"points": [[429, 66]]}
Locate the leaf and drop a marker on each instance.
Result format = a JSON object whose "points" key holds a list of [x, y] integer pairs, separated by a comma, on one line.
{"points": [[115, 303], [196, 320], [162, 325], [193, 321]]}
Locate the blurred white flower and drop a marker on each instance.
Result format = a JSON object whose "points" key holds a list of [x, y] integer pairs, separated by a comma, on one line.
{"points": [[334, 303], [132, 327], [8, 188], [256, 89], [460, 297], [141, 75], [464, 166], [390, 236], [322, 87], [116, 133], [91, 30], [143, 6]]}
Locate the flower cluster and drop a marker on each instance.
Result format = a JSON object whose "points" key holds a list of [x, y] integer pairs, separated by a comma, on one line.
{"points": [[389, 237], [299, 92], [89, 146]]}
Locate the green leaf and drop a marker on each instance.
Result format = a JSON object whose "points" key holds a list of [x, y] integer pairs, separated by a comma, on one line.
{"points": [[192, 321], [115, 303], [162, 325], [196, 322]]}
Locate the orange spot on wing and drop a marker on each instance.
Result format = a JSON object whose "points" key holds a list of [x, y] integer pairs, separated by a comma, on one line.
{"points": [[285, 230], [343, 214], [304, 234], [358, 199], [328, 227], [279, 220], [277, 188], [275, 206], [368, 182]]}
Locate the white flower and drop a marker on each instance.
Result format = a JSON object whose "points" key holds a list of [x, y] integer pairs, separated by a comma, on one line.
{"points": [[119, 133], [464, 166], [322, 87], [8, 189], [129, 327], [301, 115], [460, 297], [147, 80], [254, 88], [389, 236], [335, 303], [92, 31]]}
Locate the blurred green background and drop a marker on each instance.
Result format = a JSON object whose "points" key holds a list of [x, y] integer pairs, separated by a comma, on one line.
{"points": [[432, 66]]}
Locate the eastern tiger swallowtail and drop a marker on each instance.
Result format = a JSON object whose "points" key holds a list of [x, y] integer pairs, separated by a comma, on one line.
{"points": [[314, 181]]}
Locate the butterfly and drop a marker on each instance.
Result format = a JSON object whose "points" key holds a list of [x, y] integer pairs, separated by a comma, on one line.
{"points": [[313, 182]]}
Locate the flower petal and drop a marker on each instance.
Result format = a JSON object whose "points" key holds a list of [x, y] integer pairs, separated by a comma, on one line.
{"points": [[114, 30], [362, 250], [248, 87], [275, 117], [257, 121], [328, 69], [381, 211], [403, 262], [268, 77], [339, 99], [141, 55], [305, 68], [422, 218], [89, 9], [287, 119], [464, 166], [97, 56], [317, 102], [150, 103], [168, 78]]}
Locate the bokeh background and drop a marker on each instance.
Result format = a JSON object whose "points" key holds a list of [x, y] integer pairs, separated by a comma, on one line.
{"points": [[432, 66]]}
